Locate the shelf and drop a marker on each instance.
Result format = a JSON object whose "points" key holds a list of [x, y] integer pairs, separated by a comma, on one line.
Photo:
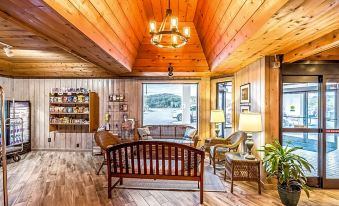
{"points": [[68, 94], [117, 102], [71, 124], [67, 113], [76, 103]]}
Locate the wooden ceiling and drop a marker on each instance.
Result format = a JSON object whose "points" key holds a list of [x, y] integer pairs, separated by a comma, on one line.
{"points": [[105, 38], [183, 9]]}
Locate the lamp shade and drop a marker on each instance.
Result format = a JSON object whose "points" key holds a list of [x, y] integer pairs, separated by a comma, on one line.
{"points": [[217, 116], [250, 122]]}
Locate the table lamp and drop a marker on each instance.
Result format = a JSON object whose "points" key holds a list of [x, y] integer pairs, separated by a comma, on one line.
{"points": [[217, 117], [250, 123]]}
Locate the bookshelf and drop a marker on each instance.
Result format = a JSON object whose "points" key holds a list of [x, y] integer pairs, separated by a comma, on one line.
{"points": [[73, 107]]}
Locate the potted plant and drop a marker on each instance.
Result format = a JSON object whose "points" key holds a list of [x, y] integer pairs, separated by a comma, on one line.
{"points": [[289, 168]]}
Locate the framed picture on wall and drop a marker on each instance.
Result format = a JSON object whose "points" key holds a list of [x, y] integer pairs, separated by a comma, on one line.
{"points": [[245, 93], [245, 108]]}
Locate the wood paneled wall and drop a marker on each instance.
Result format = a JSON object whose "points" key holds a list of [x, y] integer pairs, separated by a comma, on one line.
{"points": [[264, 97], [36, 91]]}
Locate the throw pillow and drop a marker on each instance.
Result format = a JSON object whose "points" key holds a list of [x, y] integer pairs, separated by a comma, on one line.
{"points": [[190, 133], [144, 133]]}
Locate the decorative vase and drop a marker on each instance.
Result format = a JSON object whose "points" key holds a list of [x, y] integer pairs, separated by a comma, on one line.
{"points": [[289, 198]]}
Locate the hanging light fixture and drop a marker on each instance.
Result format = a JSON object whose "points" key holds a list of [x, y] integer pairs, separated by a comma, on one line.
{"points": [[171, 38], [7, 49]]}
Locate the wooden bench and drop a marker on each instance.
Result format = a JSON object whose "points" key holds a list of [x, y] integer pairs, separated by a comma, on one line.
{"points": [[155, 160]]}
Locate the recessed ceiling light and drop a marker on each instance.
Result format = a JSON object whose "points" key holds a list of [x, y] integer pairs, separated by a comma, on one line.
{"points": [[7, 49]]}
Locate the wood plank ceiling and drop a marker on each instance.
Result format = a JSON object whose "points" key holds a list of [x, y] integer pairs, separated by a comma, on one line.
{"points": [[34, 54], [109, 37]]}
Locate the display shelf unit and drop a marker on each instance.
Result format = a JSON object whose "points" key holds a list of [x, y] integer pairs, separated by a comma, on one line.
{"points": [[63, 112]]}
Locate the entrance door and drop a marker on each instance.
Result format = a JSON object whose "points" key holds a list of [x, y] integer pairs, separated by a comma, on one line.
{"points": [[301, 122], [331, 134]]}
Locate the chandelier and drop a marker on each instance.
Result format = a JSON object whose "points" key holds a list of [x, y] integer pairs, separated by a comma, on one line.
{"points": [[171, 38]]}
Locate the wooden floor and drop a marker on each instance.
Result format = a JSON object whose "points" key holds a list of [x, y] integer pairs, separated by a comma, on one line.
{"points": [[68, 178]]}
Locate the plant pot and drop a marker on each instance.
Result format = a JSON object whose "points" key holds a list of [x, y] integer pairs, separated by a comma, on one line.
{"points": [[289, 198]]}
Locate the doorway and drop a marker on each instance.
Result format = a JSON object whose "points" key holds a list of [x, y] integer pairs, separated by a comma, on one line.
{"points": [[310, 119]]}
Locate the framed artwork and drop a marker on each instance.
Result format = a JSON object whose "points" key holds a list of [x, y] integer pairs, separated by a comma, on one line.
{"points": [[123, 107], [245, 108], [245, 93]]}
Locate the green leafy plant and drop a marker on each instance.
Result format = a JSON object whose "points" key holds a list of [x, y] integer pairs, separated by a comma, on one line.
{"points": [[288, 167]]}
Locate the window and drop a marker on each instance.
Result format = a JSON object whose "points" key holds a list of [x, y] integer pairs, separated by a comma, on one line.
{"points": [[224, 102], [168, 104]]}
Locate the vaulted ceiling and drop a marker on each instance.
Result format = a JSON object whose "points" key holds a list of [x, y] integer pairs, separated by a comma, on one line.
{"points": [[103, 38]]}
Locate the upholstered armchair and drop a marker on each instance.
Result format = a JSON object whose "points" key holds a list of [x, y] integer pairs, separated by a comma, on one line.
{"points": [[221, 146]]}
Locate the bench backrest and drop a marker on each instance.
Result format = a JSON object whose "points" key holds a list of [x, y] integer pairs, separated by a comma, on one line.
{"points": [[155, 159]]}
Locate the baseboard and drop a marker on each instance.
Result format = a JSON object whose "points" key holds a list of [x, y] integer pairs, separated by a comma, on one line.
{"points": [[61, 150]]}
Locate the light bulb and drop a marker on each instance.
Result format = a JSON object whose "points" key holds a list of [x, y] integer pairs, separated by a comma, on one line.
{"points": [[174, 23], [152, 27], [155, 39], [187, 32], [174, 40]]}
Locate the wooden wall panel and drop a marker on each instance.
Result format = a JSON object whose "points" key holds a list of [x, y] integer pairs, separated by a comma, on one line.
{"points": [[36, 91], [264, 98]]}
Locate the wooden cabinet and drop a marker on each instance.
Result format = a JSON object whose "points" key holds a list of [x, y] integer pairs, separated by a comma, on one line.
{"points": [[73, 109]]}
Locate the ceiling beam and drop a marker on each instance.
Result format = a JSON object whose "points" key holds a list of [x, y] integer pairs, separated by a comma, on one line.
{"points": [[43, 21], [326, 42], [230, 43], [71, 12]]}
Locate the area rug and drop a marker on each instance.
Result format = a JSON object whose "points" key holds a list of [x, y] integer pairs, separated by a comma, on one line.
{"points": [[212, 183]]}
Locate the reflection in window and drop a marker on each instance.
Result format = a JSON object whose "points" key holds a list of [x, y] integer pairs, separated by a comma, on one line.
{"points": [[300, 105], [224, 102], [309, 144], [168, 104]]}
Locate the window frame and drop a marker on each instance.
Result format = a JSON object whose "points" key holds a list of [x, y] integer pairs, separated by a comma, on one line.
{"points": [[217, 103], [178, 83]]}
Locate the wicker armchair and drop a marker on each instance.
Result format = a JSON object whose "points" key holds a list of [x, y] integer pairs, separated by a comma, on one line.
{"points": [[221, 146]]}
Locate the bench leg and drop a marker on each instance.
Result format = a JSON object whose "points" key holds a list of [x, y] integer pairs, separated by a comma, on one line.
{"points": [[201, 192]]}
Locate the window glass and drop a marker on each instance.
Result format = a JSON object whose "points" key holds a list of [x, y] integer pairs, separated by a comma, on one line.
{"points": [[224, 102], [169, 104]]}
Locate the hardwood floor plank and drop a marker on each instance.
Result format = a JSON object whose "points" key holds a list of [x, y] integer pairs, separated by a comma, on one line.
{"points": [[69, 179]]}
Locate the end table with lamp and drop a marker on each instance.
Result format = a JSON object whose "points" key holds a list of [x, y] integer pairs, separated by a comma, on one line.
{"points": [[250, 122]]}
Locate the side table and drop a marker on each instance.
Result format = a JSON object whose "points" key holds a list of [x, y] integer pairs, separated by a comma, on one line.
{"points": [[238, 168]]}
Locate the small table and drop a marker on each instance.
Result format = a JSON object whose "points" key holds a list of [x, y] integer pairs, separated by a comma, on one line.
{"points": [[238, 168]]}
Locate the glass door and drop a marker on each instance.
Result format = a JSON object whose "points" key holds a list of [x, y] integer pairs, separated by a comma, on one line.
{"points": [[301, 125], [331, 134]]}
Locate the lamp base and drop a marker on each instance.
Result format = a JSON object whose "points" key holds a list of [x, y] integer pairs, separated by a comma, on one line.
{"points": [[249, 144], [249, 157]]}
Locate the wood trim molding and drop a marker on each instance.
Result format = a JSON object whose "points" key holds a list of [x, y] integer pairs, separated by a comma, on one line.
{"points": [[326, 42]]}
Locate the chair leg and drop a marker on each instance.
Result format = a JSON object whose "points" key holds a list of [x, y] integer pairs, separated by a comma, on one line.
{"points": [[121, 181], [232, 186], [198, 185], [214, 166], [102, 164]]}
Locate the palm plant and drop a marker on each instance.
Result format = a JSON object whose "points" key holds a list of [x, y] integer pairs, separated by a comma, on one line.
{"points": [[288, 167]]}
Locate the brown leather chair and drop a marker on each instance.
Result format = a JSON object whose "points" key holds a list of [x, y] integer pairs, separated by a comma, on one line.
{"points": [[231, 143], [104, 139]]}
